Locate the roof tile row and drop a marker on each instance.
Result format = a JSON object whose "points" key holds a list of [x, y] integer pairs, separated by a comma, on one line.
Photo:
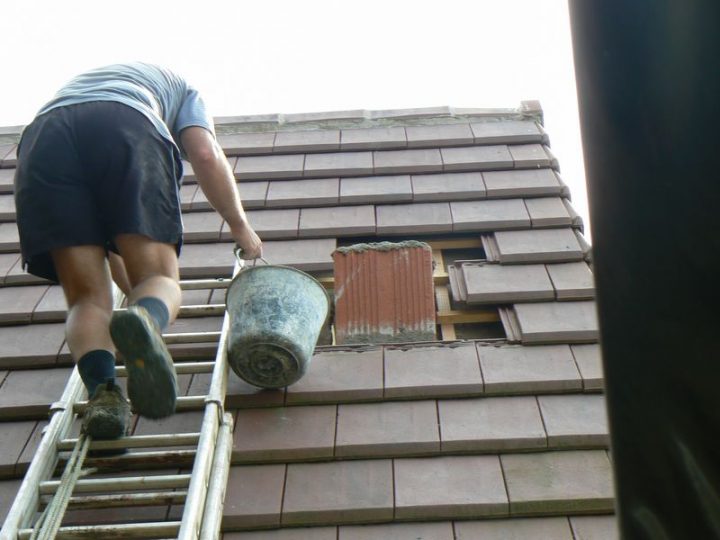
{"points": [[358, 491], [468, 158], [323, 140]]}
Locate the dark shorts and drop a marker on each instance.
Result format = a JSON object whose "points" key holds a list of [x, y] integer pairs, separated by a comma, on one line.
{"points": [[88, 172]]}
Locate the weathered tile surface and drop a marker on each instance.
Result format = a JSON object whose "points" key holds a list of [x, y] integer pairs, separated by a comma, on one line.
{"points": [[299, 533], [439, 135], [254, 496], [338, 163], [7, 208], [495, 283], [30, 345], [372, 138], [369, 189], [569, 322], [506, 131], [319, 140], [398, 531], [553, 528], [7, 261], [347, 376], [575, 420], [269, 224], [432, 371], [307, 255], [6, 180], [529, 155], [32, 390], [201, 226], [337, 221], [13, 436], [442, 487], [407, 161], [315, 192], [550, 245], [476, 158], [284, 433], [572, 280], [261, 167], [548, 212], [489, 215], [247, 143], [448, 186], [491, 424], [520, 369], [9, 237], [530, 182], [253, 194], [340, 492], [8, 491], [206, 260], [388, 428], [589, 363], [570, 481], [17, 303], [595, 527], [413, 218]]}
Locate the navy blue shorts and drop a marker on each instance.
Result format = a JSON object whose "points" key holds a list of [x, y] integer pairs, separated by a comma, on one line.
{"points": [[88, 172]]}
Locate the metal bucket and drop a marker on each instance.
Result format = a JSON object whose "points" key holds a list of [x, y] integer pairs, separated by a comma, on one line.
{"points": [[276, 315]]}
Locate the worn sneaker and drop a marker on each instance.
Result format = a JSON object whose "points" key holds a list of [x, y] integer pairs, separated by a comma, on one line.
{"points": [[152, 381], [108, 414]]}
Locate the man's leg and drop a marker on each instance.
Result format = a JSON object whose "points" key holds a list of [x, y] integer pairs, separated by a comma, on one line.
{"points": [[85, 278], [153, 303]]}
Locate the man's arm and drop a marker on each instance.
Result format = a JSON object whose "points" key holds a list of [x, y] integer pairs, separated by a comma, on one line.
{"points": [[216, 179]]}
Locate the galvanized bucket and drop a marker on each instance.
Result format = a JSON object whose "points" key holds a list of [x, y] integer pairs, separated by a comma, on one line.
{"points": [[276, 315]]}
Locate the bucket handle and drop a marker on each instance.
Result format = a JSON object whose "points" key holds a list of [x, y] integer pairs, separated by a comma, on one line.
{"points": [[238, 255]]}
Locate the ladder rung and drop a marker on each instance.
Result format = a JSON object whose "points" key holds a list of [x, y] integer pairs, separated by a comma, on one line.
{"points": [[158, 498], [195, 284], [191, 337], [162, 459], [138, 441], [200, 310], [163, 529], [183, 403], [181, 368], [169, 481]]}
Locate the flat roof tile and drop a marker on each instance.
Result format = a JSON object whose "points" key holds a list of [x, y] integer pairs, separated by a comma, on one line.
{"points": [[285, 433], [338, 164], [449, 487], [373, 138], [491, 424], [547, 322], [550, 528], [476, 158], [338, 374], [338, 492], [254, 496], [337, 221], [489, 215], [506, 131], [575, 420], [414, 218], [407, 161], [448, 186], [439, 135], [372, 189], [529, 182], [310, 192], [387, 429], [567, 481], [318, 140], [423, 372], [548, 212], [590, 365], [543, 245], [519, 369]]}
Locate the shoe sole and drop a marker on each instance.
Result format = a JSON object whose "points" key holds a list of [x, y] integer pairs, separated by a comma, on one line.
{"points": [[152, 381], [105, 427]]}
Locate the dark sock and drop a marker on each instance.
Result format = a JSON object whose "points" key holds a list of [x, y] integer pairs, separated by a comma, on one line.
{"points": [[96, 367], [157, 309]]}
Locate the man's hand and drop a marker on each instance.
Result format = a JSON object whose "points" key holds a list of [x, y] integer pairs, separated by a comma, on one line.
{"points": [[247, 240]]}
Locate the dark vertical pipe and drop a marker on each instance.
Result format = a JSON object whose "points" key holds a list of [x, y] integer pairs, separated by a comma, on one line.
{"points": [[648, 77]]}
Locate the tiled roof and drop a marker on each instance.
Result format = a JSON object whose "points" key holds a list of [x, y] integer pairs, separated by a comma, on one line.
{"points": [[389, 441]]}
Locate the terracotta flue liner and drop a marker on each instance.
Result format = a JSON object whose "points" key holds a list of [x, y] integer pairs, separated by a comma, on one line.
{"points": [[384, 293]]}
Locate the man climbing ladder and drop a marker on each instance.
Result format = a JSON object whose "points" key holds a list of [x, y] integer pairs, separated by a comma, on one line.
{"points": [[98, 176]]}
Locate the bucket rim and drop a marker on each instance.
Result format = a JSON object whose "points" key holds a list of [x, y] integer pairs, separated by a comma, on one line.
{"points": [[247, 269]]}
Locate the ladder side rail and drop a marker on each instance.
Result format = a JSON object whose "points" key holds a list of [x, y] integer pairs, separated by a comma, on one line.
{"points": [[197, 492], [44, 461], [212, 517]]}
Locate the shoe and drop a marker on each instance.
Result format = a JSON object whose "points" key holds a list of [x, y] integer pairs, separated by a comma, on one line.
{"points": [[108, 414], [152, 381]]}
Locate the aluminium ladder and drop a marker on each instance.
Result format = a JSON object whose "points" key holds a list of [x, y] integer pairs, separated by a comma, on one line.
{"points": [[202, 492]]}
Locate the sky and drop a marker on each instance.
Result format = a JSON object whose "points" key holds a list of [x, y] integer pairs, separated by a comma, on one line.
{"points": [[287, 56]]}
